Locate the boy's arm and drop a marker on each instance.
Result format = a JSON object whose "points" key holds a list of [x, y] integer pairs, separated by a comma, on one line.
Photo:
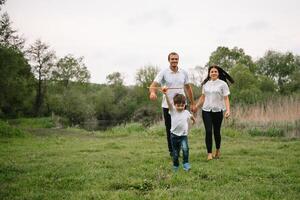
{"points": [[165, 90]]}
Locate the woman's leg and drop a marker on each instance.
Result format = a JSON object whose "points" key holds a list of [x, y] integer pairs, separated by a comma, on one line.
{"points": [[217, 119], [207, 120]]}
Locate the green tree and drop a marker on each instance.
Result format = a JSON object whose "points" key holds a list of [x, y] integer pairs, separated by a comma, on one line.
{"points": [[246, 86], [146, 75], [8, 35], [42, 61], [69, 69], [227, 58], [16, 83], [115, 78], [278, 66]]}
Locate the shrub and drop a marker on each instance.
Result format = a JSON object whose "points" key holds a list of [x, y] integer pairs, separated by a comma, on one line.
{"points": [[270, 132], [8, 131]]}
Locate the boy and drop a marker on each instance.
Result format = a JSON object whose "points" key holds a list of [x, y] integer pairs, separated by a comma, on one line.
{"points": [[179, 129]]}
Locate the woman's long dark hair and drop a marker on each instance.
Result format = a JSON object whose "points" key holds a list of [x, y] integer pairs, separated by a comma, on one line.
{"points": [[223, 75]]}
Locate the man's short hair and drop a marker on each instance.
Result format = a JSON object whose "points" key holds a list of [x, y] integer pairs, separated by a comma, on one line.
{"points": [[172, 53], [179, 99]]}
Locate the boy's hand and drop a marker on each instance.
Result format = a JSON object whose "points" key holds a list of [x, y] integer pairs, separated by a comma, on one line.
{"points": [[164, 89]]}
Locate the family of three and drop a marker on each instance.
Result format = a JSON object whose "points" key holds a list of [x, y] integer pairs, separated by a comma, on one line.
{"points": [[214, 102]]}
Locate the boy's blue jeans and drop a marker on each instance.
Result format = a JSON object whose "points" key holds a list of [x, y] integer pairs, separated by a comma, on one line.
{"points": [[179, 142]]}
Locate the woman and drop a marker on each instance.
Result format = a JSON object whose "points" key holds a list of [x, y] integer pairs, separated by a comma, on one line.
{"points": [[214, 101]]}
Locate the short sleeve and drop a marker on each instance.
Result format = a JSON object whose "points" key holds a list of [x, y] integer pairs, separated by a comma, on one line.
{"points": [[186, 78], [225, 90], [159, 77]]}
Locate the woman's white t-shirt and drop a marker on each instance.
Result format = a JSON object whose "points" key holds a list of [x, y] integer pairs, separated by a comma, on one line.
{"points": [[179, 122], [214, 92]]}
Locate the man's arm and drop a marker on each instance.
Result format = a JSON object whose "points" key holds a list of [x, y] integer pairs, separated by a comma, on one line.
{"points": [[190, 95], [152, 90]]}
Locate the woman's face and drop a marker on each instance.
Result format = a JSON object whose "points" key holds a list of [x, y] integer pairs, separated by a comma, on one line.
{"points": [[214, 74]]}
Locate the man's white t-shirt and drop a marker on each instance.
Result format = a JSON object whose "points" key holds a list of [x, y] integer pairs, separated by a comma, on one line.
{"points": [[214, 92], [172, 79], [179, 122]]}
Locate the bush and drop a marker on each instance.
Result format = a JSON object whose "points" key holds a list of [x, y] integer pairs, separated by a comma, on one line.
{"points": [[8, 131], [146, 115], [42, 122], [270, 132]]}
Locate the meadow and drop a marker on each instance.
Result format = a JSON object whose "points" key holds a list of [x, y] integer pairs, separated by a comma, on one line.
{"points": [[131, 162]]}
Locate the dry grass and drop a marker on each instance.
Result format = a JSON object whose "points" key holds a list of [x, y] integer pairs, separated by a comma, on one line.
{"points": [[286, 109]]}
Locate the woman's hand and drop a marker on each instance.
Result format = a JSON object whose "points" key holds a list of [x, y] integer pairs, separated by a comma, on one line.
{"points": [[227, 114]]}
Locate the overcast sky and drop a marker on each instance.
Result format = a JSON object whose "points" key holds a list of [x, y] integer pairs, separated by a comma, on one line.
{"points": [[125, 35]]}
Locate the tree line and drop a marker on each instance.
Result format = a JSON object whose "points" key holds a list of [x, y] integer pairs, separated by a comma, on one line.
{"points": [[35, 82]]}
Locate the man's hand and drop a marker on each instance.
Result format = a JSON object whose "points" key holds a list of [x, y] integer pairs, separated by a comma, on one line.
{"points": [[153, 96], [193, 108]]}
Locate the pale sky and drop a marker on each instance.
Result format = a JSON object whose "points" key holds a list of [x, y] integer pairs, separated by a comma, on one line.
{"points": [[125, 35]]}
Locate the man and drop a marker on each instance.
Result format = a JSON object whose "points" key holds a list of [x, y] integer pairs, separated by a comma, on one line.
{"points": [[177, 80]]}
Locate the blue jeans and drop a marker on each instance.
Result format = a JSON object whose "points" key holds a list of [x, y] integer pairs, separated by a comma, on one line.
{"points": [[179, 142]]}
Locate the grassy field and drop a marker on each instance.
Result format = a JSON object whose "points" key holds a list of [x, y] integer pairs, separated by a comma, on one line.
{"points": [[132, 163]]}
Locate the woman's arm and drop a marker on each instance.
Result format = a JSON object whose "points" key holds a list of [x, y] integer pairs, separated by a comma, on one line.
{"points": [[227, 105], [200, 101]]}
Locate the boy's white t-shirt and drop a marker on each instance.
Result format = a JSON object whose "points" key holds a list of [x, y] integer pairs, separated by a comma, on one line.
{"points": [[179, 122], [214, 92]]}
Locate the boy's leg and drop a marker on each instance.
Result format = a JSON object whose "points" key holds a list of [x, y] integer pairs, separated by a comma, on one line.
{"points": [[176, 148], [167, 118], [185, 149]]}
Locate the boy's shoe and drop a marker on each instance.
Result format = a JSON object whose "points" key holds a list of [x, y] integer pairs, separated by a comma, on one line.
{"points": [[175, 168], [186, 166]]}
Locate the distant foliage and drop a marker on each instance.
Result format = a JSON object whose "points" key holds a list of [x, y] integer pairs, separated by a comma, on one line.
{"points": [[9, 131]]}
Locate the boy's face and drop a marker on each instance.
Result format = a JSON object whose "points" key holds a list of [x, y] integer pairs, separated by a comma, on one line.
{"points": [[180, 106]]}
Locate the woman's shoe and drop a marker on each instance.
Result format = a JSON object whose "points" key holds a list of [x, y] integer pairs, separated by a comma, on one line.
{"points": [[217, 154], [209, 156]]}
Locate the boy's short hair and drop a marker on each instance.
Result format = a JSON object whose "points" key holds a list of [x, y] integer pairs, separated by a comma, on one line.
{"points": [[179, 99]]}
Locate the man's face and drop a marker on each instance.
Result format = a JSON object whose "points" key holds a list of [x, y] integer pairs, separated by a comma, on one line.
{"points": [[173, 61]]}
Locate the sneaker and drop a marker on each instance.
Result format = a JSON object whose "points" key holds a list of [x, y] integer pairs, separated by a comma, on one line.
{"points": [[175, 168], [186, 166]]}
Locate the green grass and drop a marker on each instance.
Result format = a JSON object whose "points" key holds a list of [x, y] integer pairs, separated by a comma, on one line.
{"points": [[42, 122], [132, 162]]}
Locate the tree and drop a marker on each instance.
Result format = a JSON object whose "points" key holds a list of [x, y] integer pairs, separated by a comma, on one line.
{"points": [[42, 62], [16, 83], [278, 66], [115, 78], [69, 69], [227, 58], [2, 2], [197, 75], [9, 36], [146, 75], [246, 86]]}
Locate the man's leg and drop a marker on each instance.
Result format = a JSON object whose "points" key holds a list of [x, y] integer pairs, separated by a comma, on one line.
{"points": [[167, 119]]}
